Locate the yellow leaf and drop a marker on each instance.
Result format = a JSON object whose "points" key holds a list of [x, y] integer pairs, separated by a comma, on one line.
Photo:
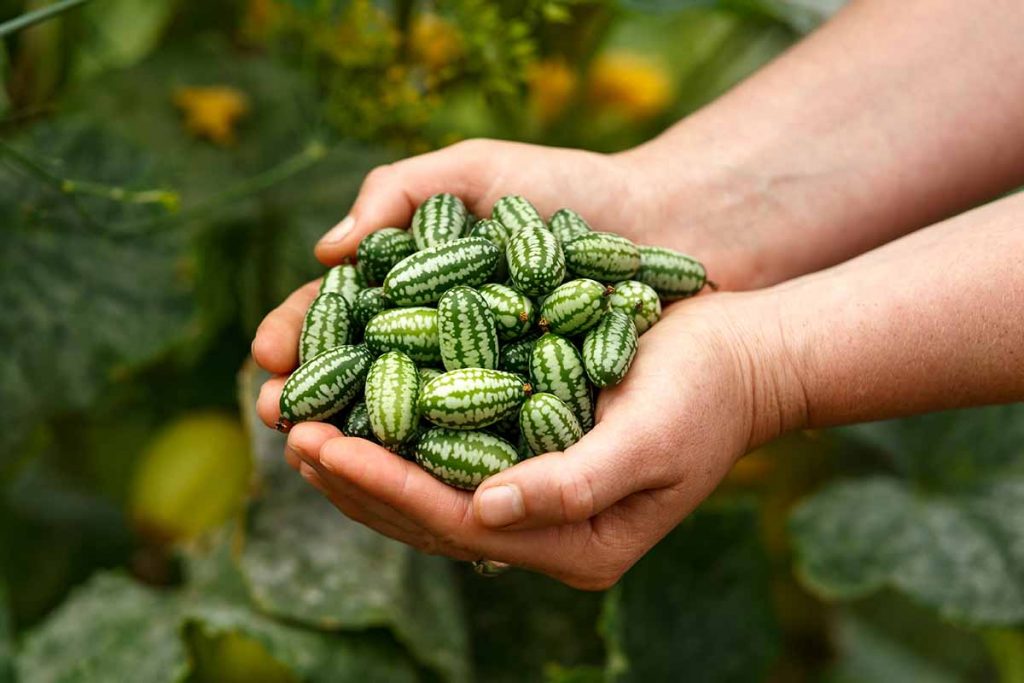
{"points": [[212, 112]]}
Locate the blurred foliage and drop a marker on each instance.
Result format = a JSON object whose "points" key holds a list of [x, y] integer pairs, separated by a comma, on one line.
{"points": [[165, 169]]}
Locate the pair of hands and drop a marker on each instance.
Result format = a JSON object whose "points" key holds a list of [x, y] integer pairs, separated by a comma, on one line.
{"points": [[691, 405]]}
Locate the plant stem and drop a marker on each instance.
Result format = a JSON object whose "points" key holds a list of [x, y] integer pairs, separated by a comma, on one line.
{"points": [[39, 172], [35, 16]]}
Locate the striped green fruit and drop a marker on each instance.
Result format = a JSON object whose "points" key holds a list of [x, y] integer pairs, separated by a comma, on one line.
{"points": [[472, 398], [516, 213], [637, 300], [328, 323], [566, 224], [407, 449], [392, 389], [602, 256], [423, 277], [574, 307], [465, 330], [357, 423], [345, 280], [324, 385], [535, 261], [557, 368], [464, 459], [413, 331], [471, 220], [427, 374], [514, 313], [498, 235], [379, 251], [515, 356], [507, 428], [672, 274], [548, 424], [369, 302], [609, 349], [440, 219]]}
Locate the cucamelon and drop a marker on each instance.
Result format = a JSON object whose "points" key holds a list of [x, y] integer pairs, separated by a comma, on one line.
{"points": [[548, 424], [515, 356], [392, 390], [556, 367], [328, 323], [427, 374], [498, 235], [379, 251], [535, 261], [516, 213], [566, 224], [574, 307], [602, 256], [672, 274], [423, 277], [324, 385], [472, 398], [413, 331], [439, 219], [637, 300], [465, 330], [344, 279], [609, 349], [464, 459], [369, 302], [514, 313], [357, 423]]}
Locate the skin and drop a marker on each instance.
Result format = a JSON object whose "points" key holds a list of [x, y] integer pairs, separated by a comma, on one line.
{"points": [[771, 182]]}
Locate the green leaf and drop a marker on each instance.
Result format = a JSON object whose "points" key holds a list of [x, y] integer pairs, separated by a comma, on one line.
{"points": [[118, 33], [306, 562], [951, 540], [80, 304], [110, 629], [698, 606]]}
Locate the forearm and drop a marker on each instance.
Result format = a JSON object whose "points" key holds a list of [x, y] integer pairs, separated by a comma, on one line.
{"points": [[891, 117], [932, 321]]}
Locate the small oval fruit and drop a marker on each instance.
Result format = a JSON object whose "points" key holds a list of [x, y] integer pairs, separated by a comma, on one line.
{"points": [[515, 356], [343, 279], [427, 374], [637, 300], [609, 349], [514, 312], [556, 367], [413, 331], [574, 307], [369, 302], [357, 423], [548, 424], [392, 390], [602, 256], [464, 459], [328, 323], [324, 385], [472, 398], [498, 235], [466, 332], [672, 274], [516, 213], [441, 218], [566, 225], [535, 261], [423, 277], [379, 251]]}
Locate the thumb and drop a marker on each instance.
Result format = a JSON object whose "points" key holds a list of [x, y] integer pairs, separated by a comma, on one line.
{"points": [[604, 467], [390, 194]]}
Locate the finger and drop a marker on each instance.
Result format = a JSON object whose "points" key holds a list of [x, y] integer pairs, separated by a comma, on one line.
{"points": [[611, 462], [390, 194], [276, 344], [268, 403]]}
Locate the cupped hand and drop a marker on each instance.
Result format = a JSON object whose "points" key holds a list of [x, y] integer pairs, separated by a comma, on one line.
{"points": [[699, 395]]}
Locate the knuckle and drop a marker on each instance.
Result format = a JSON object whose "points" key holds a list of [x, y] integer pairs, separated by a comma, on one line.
{"points": [[577, 499], [378, 174]]}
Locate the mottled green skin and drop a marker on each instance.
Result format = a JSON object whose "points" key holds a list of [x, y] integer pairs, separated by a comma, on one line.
{"points": [[471, 398], [535, 261], [413, 331], [548, 424], [498, 235], [369, 302], [637, 300], [574, 307], [464, 459], [517, 213], [672, 274], [602, 256], [507, 428], [556, 367], [427, 374], [407, 449], [514, 312], [609, 349], [440, 219], [357, 423], [566, 225], [327, 323], [379, 251], [466, 331], [515, 356], [392, 390], [423, 277], [345, 280], [324, 385]]}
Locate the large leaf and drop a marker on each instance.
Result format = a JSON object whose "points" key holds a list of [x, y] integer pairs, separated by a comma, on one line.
{"points": [[306, 562], [698, 606], [80, 303], [118, 33], [949, 535], [110, 629]]}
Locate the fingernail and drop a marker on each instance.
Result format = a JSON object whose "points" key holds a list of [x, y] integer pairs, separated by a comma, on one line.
{"points": [[338, 232], [501, 506]]}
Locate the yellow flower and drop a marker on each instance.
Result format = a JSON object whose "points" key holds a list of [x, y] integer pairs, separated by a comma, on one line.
{"points": [[635, 85], [434, 42], [552, 84], [212, 112]]}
